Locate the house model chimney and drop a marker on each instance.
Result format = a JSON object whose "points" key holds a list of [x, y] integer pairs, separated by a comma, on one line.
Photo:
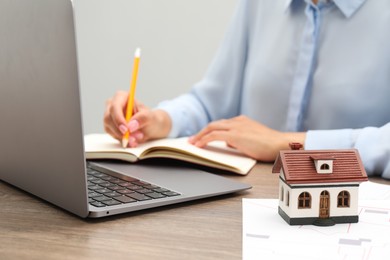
{"points": [[295, 146]]}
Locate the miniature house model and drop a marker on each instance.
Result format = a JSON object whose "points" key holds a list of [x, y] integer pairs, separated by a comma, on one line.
{"points": [[319, 187]]}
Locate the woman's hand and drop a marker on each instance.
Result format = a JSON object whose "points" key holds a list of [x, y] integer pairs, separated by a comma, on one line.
{"points": [[145, 124], [248, 136]]}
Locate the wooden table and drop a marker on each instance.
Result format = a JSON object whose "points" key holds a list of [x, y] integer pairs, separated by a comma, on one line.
{"points": [[207, 229]]}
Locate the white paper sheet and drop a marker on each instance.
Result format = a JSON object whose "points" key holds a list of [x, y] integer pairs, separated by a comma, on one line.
{"points": [[267, 236]]}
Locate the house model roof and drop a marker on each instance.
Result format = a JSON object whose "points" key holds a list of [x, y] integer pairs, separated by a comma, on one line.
{"points": [[299, 168]]}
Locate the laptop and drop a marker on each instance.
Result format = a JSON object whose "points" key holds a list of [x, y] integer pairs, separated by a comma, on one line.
{"points": [[41, 135]]}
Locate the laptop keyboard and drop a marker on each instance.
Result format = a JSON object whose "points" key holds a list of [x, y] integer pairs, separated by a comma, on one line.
{"points": [[106, 190]]}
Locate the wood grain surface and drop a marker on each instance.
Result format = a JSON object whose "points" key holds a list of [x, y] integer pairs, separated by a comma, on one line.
{"points": [[31, 228]]}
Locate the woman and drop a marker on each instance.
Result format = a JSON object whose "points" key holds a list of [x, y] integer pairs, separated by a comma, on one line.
{"points": [[303, 71]]}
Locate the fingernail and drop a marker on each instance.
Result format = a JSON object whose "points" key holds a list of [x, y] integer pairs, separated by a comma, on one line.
{"points": [[133, 125], [139, 136], [123, 129], [131, 141], [198, 144]]}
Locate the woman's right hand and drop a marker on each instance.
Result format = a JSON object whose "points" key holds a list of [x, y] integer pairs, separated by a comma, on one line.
{"points": [[145, 124]]}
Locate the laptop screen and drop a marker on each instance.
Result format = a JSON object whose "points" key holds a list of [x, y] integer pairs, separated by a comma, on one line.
{"points": [[41, 132]]}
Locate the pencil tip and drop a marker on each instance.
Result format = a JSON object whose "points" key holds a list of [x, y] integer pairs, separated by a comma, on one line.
{"points": [[124, 143]]}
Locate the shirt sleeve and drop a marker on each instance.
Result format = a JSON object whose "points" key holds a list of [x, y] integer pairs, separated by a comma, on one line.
{"points": [[373, 144], [218, 94]]}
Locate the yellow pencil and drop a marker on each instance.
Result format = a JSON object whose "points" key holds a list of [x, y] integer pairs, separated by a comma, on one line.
{"points": [[130, 102]]}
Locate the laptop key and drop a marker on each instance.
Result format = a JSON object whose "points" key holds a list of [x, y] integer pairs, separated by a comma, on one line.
{"points": [[125, 191], [94, 187], [102, 198], [92, 178], [134, 187], [156, 195], [97, 204], [116, 181], [139, 196], [141, 183], [151, 186], [111, 202], [125, 199], [160, 190], [108, 178], [143, 191], [171, 193], [115, 187], [103, 190], [107, 185], [123, 183], [99, 181], [100, 175], [112, 194], [92, 194]]}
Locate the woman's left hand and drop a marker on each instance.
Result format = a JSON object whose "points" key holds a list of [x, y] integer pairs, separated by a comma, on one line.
{"points": [[248, 136]]}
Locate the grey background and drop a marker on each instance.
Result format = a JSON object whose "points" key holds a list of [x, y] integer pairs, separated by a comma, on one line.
{"points": [[178, 40]]}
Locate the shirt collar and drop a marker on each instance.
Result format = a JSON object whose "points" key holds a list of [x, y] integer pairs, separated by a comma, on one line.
{"points": [[347, 7]]}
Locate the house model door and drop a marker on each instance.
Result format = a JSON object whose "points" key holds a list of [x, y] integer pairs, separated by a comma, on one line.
{"points": [[324, 204]]}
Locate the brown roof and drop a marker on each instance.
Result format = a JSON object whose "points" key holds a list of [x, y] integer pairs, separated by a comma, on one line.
{"points": [[298, 166]]}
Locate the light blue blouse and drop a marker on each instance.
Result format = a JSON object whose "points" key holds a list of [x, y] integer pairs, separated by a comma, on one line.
{"points": [[294, 66]]}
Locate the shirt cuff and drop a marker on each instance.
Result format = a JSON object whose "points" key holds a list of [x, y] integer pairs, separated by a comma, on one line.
{"points": [[329, 139], [175, 118]]}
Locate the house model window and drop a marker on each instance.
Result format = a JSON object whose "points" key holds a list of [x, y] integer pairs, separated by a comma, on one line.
{"points": [[281, 194], [323, 164], [343, 199], [304, 200]]}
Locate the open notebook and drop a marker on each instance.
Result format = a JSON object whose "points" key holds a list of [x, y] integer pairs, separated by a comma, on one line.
{"points": [[216, 154]]}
